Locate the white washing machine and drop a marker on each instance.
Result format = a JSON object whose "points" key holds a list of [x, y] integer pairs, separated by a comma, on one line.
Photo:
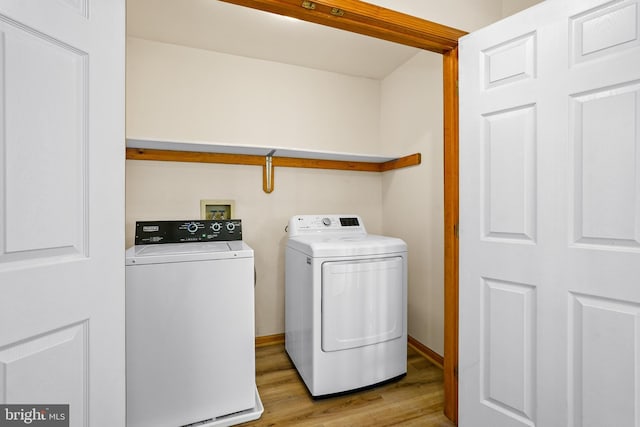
{"points": [[345, 304], [190, 341]]}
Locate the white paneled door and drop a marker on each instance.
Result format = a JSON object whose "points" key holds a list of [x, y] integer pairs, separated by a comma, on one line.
{"points": [[550, 218], [62, 207]]}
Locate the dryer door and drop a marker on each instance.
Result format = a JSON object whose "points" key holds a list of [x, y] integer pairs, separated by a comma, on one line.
{"points": [[362, 302]]}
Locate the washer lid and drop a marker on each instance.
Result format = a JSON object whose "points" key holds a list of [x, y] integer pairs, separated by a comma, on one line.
{"points": [[346, 245], [183, 252]]}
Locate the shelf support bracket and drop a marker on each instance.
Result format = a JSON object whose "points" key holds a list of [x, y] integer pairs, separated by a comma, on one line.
{"points": [[269, 162], [267, 173]]}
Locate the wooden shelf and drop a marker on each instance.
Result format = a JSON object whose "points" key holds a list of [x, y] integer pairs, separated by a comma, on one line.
{"points": [[268, 158]]}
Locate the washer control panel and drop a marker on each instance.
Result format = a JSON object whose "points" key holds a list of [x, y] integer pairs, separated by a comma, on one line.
{"points": [[313, 224], [197, 230]]}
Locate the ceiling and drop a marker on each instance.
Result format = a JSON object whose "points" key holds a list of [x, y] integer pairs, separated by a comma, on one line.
{"points": [[237, 30]]}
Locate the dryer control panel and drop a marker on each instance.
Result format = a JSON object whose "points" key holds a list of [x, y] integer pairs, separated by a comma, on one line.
{"points": [[316, 224], [197, 230]]}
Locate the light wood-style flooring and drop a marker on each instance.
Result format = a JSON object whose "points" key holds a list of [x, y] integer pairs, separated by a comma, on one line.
{"points": [[415, 400]]}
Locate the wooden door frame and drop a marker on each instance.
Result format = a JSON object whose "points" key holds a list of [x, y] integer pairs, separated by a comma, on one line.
{"points": [[451, 215], [371, 20]]}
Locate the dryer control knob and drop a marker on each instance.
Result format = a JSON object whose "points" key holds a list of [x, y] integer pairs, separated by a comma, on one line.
{"points": [[231, 226], [192, 227], [216, 226], [326, 221]]}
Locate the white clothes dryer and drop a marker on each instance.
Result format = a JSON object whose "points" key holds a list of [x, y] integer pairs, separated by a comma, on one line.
{"points": [[345, 304]]}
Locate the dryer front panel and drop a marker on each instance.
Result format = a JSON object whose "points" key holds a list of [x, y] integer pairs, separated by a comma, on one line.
{"points": [[361, 302]]}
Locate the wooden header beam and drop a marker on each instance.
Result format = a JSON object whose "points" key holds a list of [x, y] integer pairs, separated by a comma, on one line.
{"points": [[364, 18]]}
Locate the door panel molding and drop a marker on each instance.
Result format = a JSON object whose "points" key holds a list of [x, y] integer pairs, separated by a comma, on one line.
{"points": [[54, 366], [34, 190]]}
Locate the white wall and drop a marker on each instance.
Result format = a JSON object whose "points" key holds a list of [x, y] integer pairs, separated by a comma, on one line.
{"points": [[466, 15], [510, 7], [412, 198], [177, 92], [181, 93]]}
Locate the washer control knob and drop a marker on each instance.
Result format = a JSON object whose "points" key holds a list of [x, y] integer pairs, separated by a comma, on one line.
{"points": [[326, 221], [231, 226], [216, 226], [192, 227]]}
